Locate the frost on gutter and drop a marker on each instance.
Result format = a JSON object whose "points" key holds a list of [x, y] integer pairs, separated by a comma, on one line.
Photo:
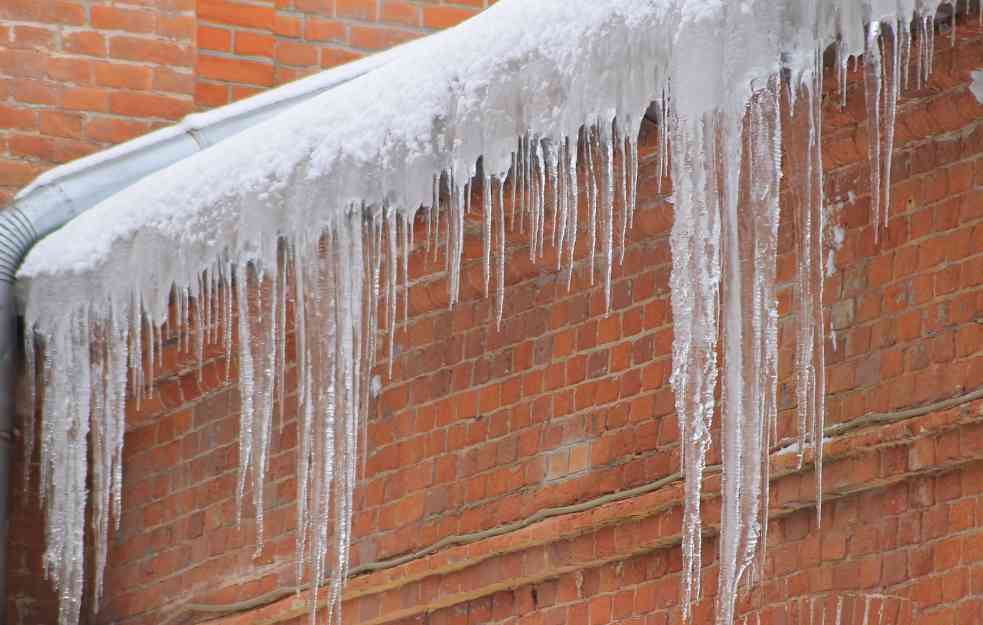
{"points": [[316, 208]]}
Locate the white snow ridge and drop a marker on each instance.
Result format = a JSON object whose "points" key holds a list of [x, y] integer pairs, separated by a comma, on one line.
{"points": [[318, 204]]}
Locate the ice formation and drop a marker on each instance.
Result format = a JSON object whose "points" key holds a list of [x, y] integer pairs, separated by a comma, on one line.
{"points": [[531, 109]]}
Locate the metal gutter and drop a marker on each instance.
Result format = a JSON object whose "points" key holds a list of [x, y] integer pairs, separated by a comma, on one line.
{"points": [[61, 194]]}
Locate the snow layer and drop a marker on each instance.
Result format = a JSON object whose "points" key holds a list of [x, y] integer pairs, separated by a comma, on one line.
{"points": [[313, 209]]}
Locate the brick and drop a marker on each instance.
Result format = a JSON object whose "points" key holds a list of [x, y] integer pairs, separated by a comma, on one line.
{"points": [[33, 38], [291, 53], [254, 44], [171, 81], [211, 94], [59, 124], [16, 174], [122, 75], [178, 27], [372, 38], [22, 63], [85, 99], [63, 12], [288, 26], [147, 105], [332, 57], [211, 38], [69, 70], [317, 7], [84, 42], [130, 20], [401, 12], [18, 117], [324, 30], [25, 10], [32, 146], [150, 51], [366, 10], [113, 130], [66, 150], [442, 16], [217, 68], [235, 14]]}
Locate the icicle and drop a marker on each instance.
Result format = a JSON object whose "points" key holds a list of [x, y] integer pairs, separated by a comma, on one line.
{"points": [[664, 132], [810, 357], [392, 279], [625, 209], [436, 216], [633, 201], [952, 24], [456, 237], [560, 164], [903, 40], [891, 94], [247, 383], [515, 185], [500, 285], [540, 198], [30, 422], [695, 283], [431, 209], [608, 243], [874, 83], [749, 316], [841, 72], [574, 185], [486, 231], [407, 226], [527, 193], [591, 198], [280, 338], [64, 461], [552, 165]]}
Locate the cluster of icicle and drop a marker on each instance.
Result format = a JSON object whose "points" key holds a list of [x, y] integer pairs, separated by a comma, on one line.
{"points": [[328, 283]]}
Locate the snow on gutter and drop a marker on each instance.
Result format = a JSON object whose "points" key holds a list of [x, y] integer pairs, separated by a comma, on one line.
{"points": [[61, 194]]}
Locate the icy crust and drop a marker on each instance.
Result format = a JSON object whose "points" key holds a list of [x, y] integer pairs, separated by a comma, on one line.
{"points": [[311, 212]]}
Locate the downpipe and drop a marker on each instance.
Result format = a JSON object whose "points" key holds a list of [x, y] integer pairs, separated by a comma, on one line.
{"points": [[17, 236]]}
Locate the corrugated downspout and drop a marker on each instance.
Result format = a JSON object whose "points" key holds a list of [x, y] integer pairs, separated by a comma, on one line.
{"points": [[17, 235], [61, 194]]}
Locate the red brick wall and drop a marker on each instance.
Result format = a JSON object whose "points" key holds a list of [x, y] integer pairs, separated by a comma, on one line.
{"points": [[77, 76], [480, 428], [246, 47]]}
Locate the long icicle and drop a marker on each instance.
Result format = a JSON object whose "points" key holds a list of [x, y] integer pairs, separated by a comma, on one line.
{"points": [[695, 283]]}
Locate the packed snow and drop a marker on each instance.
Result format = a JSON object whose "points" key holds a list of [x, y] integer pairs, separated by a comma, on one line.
{"points": [[533, 109]]}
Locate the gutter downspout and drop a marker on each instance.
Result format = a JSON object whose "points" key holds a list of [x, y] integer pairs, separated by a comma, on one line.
{"points": [[61, 194]]}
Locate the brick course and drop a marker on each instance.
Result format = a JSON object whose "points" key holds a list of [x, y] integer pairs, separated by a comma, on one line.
{"points": [[480, 428]]}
